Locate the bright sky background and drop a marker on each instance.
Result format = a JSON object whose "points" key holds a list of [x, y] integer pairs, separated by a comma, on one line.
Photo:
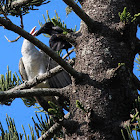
{"points": [[11, 53]]}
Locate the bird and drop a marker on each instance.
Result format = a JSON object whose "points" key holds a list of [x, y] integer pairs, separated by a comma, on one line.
{"points": [[56, 43], [35, 62]]}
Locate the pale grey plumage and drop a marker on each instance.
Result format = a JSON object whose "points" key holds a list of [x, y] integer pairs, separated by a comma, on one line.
{"points": [[35, 62], [22, 70]]}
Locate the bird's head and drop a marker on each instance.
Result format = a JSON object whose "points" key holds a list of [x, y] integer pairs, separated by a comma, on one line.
{"points": [[46, 28]]}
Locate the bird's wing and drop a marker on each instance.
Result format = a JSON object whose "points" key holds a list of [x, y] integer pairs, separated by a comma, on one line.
{"points": [[22, 70], [58, 43], [61, 79]]}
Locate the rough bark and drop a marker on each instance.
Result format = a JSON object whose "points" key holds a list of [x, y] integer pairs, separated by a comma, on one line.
{"points": [[110, 100]]}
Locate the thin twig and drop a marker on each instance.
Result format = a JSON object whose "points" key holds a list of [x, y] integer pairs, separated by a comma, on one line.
{"points": [[21, 25], [21, 22], [63, 92], [13, 40], [67, 54]]}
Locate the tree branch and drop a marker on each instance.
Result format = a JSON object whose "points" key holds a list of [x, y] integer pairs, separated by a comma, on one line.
{"points": [[88, 21], [38, 79], [10, 26], [94, 26], [67, 54], [13, 40], [113, 73], [50, 133], [64, 92], [21, 25]]}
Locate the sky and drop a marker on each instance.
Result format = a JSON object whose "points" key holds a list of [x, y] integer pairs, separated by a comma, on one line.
{"points": [[11, 53]]}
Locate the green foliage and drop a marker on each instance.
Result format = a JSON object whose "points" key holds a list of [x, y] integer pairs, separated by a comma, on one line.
{"points": [[69, 9], [57, 22], [39, 129], [138, 62], [44, 125], [126, 17], [29, 101], [61, 25], [135, 17], [55, 110], [133, 128], [7, 8], [79, 105], [121, 64], [12, 133], [123, 134], [134, 125], [40, 109], [7, 82]]}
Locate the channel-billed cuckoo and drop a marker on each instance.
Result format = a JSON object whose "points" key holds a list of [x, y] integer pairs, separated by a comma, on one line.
{"points": [[35, 62]]}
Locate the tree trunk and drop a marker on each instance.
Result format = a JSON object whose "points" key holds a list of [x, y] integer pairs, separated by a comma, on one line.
{"points": [[108, 101]]}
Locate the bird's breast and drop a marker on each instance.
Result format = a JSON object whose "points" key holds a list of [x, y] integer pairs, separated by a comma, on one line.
{"points": [[34, 66]]}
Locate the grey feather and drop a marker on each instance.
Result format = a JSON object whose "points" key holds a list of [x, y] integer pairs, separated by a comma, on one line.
{"points": [[61, 79], [22, 70]]}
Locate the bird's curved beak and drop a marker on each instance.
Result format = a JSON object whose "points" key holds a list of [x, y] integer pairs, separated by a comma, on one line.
{"points": [[32, 31], [34, 34], [39, 31]]}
